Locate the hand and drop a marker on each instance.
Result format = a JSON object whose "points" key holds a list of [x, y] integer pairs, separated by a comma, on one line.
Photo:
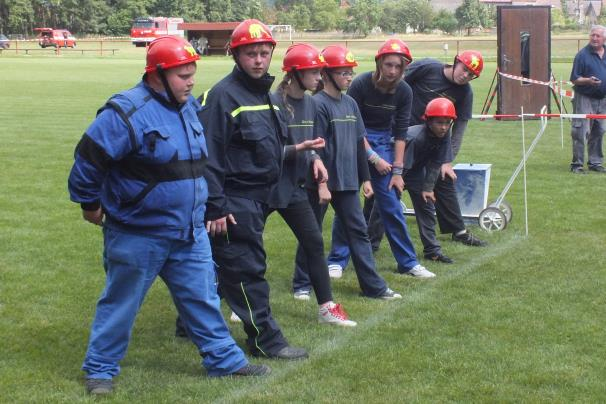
{"points": [[396, 181], [594, 81], [447, 170], [320, 173], [93, 216], [367, 189], [383, 167], [428, 196], [313, 144], [324, 195], [219, 226]]}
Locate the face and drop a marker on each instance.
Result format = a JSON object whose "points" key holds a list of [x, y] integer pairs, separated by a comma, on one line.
{"points": [[439, 126], [462, 74], [311, 78], [343, 77], [254, 59], [391, 68], [596, 38], [181, 81]]}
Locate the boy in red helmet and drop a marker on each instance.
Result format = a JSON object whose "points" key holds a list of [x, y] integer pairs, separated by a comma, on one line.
{"points": [[138, 172], [246, 138], [428, 147]]}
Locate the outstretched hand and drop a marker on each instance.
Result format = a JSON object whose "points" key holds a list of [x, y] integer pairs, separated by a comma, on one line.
{"points": [[313, 144]]}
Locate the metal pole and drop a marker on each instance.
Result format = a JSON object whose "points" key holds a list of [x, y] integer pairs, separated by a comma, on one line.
{"points": [[524, 169], [561, 117]]}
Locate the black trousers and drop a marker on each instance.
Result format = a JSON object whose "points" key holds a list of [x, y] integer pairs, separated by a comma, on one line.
{"points": [[346, 205], [240, 259], [301, 219]]}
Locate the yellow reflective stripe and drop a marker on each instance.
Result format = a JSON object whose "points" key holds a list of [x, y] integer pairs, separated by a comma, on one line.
{"points": [[246, 108], [252, 320], [204, 97]]}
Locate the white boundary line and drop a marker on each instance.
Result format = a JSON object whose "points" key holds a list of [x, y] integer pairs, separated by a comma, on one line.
{"points": [[384, 312]]}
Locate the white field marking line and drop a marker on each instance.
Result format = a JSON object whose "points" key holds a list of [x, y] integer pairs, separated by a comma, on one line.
{"points": [[387, 310]]}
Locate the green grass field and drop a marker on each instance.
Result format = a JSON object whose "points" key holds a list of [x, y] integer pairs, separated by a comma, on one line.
{"points": [[521, 320]]}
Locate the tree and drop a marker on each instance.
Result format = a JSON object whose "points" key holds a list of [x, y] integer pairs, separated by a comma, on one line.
{"points": [[326, 15], [390, 20], [468, 15], [363, 16], [299, 16], [218, 10], [446, 22]]}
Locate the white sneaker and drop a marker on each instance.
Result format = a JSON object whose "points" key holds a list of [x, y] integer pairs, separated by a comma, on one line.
{"points": [[419, 271], [332, 313], [234, 318], [302, 295], [390, 295], [335, 271]]}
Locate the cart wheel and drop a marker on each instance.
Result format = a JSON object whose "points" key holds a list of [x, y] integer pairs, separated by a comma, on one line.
{"points": [[505, 208], [492, 219]]}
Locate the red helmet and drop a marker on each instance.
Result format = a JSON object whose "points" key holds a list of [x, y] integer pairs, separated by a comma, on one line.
{"points": [[440, 108], [168, 52], [338, 56], [394, 47], [250, 32], [301, 56], [472, 60]]}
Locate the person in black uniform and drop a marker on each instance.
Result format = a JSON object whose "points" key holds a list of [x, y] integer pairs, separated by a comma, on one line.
{"points": [[428, 148], [302, 64], [339, 121], [384, 100], [430, 79], [245, 137]]}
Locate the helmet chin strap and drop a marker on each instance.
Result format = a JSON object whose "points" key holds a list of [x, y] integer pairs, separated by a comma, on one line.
{"points": [[297, 77], [169, 91], [333, 81]]}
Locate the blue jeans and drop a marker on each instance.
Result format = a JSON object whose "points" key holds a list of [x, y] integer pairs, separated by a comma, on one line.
{"points": [[390, 210], [132, 263]]}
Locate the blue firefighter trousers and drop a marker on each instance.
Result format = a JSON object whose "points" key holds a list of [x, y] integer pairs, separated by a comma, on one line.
{"points": [[390, 209], [132, 263]]}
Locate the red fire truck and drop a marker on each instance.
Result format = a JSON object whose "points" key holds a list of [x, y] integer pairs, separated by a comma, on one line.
{"points": [[146, 29]]}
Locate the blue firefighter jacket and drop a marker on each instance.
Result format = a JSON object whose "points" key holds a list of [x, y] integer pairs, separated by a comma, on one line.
{"points": [[142, 160]]}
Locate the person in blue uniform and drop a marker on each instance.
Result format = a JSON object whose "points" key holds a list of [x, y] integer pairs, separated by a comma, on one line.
{"points": [[338, 120], [245, 137], [384, 100], [138, 172]]}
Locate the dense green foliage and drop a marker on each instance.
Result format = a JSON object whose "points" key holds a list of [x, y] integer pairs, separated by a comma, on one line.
{"points": [[114, 17]]}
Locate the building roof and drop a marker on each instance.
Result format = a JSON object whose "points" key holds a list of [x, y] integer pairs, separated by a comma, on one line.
{"points": [[208, 26]]}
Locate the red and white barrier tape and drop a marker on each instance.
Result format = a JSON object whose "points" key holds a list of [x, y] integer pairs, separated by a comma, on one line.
{"points": [[555, 85], [573, 116], [527, 80]]}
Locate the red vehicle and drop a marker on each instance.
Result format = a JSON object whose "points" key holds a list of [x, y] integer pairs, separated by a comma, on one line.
{"points": [[146, 29], [55, 38]]}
